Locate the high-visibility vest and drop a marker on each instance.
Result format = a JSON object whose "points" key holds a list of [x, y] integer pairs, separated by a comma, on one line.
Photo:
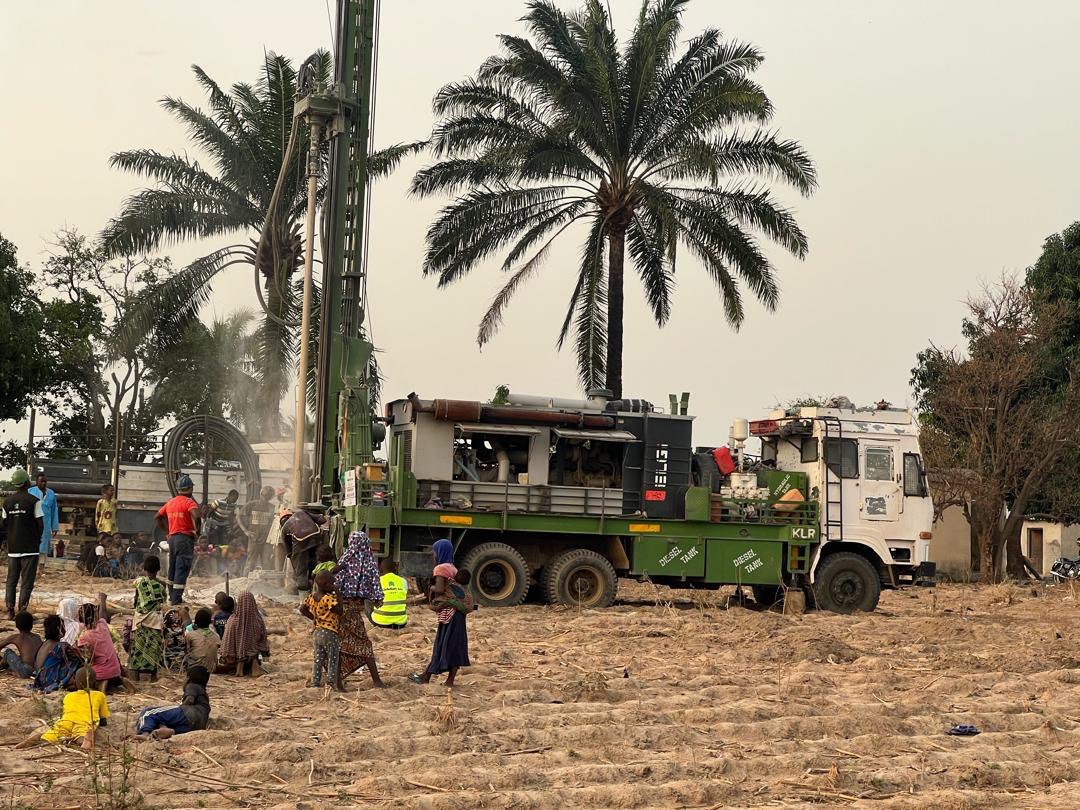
{"points": [[393, 612]]}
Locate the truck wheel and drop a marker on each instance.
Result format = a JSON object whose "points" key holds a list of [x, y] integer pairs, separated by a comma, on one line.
{"points": [[500, 575], [580, 578], [847, 583], [767, 595]]}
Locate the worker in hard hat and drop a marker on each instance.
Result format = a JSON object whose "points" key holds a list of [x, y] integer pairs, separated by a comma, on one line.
{"points": [[179, 519]]}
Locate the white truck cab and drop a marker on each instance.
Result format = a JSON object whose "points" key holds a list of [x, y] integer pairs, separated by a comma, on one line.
{"points": [[865, 470]]}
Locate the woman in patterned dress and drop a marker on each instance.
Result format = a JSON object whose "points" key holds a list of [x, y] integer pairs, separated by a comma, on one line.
{"points": [[146, 640], [357, 579]]}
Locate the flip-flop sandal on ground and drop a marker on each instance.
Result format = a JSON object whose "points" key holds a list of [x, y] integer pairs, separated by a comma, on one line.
{"points": [[964, 730], [415, 678]]}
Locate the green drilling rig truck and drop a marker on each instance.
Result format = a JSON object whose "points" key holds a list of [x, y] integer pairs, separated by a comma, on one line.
{"points": [[564, 496]]}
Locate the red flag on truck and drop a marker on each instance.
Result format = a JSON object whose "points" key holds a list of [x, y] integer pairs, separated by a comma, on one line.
{"points": [[724, 461]]}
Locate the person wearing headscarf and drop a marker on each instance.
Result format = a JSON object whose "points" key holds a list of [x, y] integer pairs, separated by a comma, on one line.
{"points": [[245, 639], [357, 579], [146, 638], [452, 602], [68, 611]]}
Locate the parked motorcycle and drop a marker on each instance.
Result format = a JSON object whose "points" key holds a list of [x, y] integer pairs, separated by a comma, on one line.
{"points": [[1064, 568]]}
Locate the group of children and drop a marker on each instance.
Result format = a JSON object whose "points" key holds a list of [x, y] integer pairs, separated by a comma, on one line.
{"points": [[448, 597], [79, 651], [84, 659]]}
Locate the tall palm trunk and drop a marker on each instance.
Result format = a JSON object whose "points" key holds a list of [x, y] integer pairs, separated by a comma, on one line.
{"points": [[616, 250]]}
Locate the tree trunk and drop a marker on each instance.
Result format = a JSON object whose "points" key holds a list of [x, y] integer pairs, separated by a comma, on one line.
{"points": [[1014, 555], [616, 249]]}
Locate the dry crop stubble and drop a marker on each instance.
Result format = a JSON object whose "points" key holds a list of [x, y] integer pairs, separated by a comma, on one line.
{"points": [[664, 700]]}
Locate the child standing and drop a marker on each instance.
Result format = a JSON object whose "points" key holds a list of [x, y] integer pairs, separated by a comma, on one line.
{"points": [[84, 710], [105, 514], [327, 560], [323, 607], [202, 642], [191, 714]]}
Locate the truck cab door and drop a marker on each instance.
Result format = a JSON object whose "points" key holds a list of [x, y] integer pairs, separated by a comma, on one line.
{"points": [[881, 489]]}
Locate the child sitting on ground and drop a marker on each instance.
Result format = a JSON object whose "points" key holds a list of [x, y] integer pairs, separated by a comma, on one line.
{"points": [[20, 649], [98, 641], [84, 710], [202, 642], [225, 605], [57, 661], [323, 607], [327, 561], [191, 714]]}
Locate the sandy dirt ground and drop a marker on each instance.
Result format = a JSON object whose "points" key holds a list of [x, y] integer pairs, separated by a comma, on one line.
{"points": [[665, 700]]}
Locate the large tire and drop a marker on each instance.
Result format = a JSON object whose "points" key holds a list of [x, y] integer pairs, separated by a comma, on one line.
{"points": [[846, 583], [500, 575], [580, 578]]}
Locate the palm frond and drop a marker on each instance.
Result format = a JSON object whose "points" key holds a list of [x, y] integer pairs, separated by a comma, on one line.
{"points": [[155, 217], [383, 162], [492, 319], [180, 175], [227, 153], [480, 223], [760, 154], [590, 320], [177, 300]]}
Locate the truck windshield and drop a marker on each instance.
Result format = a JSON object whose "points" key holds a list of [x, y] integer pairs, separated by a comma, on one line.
{"points": [[879, 466]]}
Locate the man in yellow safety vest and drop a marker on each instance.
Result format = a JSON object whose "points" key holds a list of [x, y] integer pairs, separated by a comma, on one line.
{"points": [[393, 612]]}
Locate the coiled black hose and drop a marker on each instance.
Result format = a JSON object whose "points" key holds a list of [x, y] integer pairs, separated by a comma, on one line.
{"points": [[219, 430]]}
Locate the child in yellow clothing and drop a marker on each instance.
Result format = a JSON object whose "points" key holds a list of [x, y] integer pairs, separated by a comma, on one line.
{"points": [[324, 608], [85, 710]]}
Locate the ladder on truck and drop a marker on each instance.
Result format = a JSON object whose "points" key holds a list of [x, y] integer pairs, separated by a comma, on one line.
{"points": [[832, 525]]}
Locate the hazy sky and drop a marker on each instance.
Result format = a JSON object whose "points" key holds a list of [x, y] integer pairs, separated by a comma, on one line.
{"points": [[944, 134]]}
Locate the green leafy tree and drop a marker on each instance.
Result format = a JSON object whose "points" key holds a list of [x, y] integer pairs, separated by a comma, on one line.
{"points": [[646, 149], [25, 370], [243, 135], [100, 370], [1054, 281]]}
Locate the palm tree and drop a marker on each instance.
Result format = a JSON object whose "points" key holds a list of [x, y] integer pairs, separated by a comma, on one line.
{"points": [[645, 149], [244, 134]]}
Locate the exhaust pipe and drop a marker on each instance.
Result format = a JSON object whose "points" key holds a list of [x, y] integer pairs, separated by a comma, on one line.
{"points": [[455, 410]]}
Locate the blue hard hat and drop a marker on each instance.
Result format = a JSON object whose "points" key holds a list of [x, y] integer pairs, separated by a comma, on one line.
{"points": [[184, 482]]}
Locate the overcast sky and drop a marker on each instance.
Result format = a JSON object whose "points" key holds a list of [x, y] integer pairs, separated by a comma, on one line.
{"points": [[944, 135]]}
